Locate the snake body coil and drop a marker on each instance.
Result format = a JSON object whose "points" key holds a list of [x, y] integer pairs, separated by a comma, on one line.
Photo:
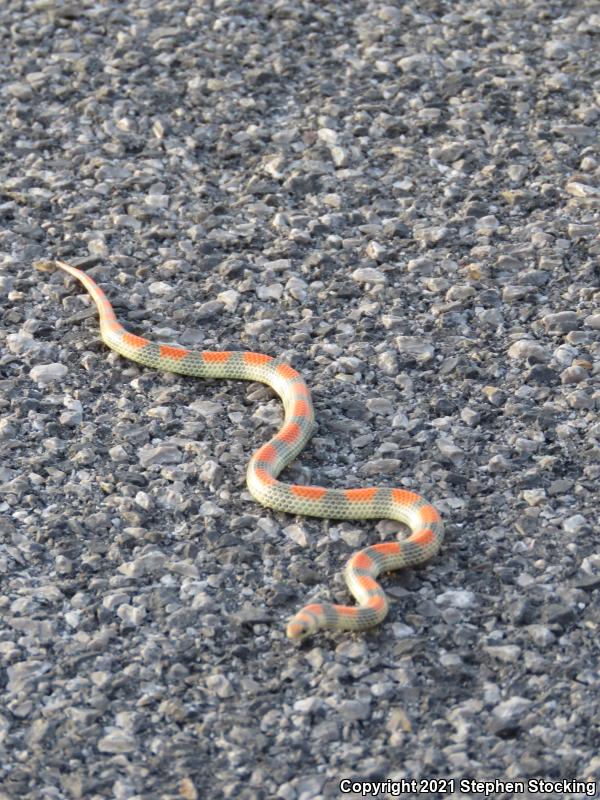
{"points": [[265, 465]]}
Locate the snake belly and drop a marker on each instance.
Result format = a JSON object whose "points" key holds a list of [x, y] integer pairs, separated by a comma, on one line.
{"points": [[426, 528]]}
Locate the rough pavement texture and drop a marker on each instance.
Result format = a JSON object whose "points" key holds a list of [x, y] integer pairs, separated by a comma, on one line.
{"points": [[403, 200]]}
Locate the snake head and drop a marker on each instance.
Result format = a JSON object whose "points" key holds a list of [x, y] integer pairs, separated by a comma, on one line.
{"points": [[297, 630], [306, 622]]}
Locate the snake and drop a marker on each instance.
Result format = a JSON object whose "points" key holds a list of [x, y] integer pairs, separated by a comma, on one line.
{"points": [[374, 502]]}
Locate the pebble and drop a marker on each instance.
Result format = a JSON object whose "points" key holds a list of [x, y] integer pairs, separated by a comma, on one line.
{"points": [[592, 321], [541, 635], [575, 523], [368, 275], [220, 685], [131, 615], [401, 631], [458, 598], [45, 374], [508, 715], [528, 350], [561, 322], [119, 454], [143, 565], [354, 710], [309, 705], [573, 374], [20, 343], [579, 189], [507, 653], [413, 346], [558, 614], [297, 534], [117, 741], [380, 405], [165, 453]]}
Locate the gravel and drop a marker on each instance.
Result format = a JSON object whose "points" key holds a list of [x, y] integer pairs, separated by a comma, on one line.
{"points": [[402, 200]]}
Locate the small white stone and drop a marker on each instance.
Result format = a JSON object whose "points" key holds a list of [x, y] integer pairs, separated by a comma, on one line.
{"points": [[402, 631], [44, 374], [161, 288], [523, 349], [230, 298], [452, 451], [592, 321], [380, 405], [513, 708], [421, 350], [118, 454], [575, 523], [72, 618], [20, 343], [143, 500], [487, 225], [591, 564], [561, 322], [114, 600], [376, 251], [309, 705], [533, 497], [340, 156], [220, 685], [273, 291], [578, 189], [296, 288], [508, 653], [368, 275], [297, 534], [457, 598], [143, 565], [157, 200], [164, 453], [210, 509], [131, 615], [573, 374], [206, 408], [117, 741], [565, 354], [327, 135]]}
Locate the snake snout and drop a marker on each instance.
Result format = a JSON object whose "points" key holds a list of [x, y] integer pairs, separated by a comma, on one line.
{"points": [[306, 622]]}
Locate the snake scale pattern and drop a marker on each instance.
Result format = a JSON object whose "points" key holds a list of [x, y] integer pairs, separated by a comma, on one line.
{"points": [[265, 465]]}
